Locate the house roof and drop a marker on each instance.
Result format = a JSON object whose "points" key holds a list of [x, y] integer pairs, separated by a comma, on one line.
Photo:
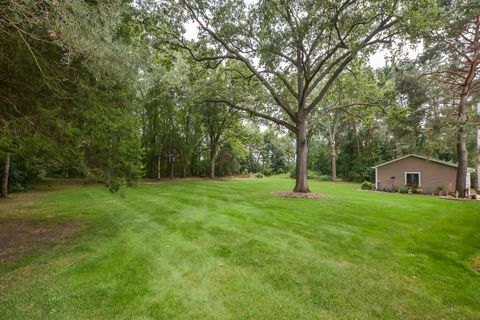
{"points": [[451, 164]]}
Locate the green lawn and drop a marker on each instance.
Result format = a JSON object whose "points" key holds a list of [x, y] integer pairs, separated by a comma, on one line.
{"points": [[230, 250]]}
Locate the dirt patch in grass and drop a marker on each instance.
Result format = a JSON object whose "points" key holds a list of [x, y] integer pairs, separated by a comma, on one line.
{"points": [[300, 195], [18, 237], [475, 263]]}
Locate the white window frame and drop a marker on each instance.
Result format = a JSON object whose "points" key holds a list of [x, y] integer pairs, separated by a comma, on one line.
{"points": [[412, 172]]}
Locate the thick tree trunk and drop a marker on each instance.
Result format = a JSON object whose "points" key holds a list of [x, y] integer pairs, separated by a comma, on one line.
{"points": [[478, 148], [6, 171], [301, 183], [333, 153], [213, 158], [462, 152]]}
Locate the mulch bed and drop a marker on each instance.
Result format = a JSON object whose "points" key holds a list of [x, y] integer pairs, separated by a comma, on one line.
{"points": [[300, 195], [458, 199]]}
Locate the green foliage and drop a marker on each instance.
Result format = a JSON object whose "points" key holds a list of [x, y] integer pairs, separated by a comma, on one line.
{"points": [[259, 175], [367, 185], [324, 177], [269, 149], [266, 171], [68, 98], [319, 159], [23, 174], [417, 190], [310, 174], [473, 177], [403, 189]]}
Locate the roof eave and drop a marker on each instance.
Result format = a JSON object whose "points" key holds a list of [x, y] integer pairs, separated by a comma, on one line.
{"points": [[417, 156]]}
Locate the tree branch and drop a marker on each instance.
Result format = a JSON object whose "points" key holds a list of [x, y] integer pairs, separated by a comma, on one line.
{"points": [[253, 112], [282, 103]]}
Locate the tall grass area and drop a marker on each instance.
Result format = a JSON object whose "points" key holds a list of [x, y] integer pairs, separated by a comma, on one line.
{"points": [[230, 250]]}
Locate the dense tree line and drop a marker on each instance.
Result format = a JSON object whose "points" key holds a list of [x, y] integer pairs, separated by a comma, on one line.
{"points": [[114, 91], [67, 86]]}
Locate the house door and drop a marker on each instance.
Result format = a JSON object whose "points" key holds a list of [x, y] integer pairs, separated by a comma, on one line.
{"points": [[412, 179]]}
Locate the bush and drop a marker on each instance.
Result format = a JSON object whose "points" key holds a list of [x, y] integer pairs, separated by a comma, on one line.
{"points": [[367, 185], [403, 189], [440, 190], [266, 171], [310, 174], [417, 190], [473, 177], [324, 177], [259, 175]]}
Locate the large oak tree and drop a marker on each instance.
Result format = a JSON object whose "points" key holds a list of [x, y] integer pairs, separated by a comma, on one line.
{"points": [[294, 49]]}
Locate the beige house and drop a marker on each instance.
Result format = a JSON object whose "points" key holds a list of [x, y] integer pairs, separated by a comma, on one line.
{"points": [[418, 171]]}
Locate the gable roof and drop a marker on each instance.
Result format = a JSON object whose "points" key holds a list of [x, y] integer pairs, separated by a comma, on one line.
{"points": [[451, 164]]}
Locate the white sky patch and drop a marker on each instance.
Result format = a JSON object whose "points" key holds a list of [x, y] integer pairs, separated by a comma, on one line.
{"points": [[191, 30], [382, 56], [377, 60]]}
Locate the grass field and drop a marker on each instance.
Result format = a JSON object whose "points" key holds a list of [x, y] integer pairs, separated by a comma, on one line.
{"points": [[230, 250]]}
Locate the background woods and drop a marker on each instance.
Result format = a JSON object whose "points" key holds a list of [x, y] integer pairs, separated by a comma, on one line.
{"points": [[116, 91]]}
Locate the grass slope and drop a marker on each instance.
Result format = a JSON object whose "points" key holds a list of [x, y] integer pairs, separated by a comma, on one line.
{"points": [[230, 250]]}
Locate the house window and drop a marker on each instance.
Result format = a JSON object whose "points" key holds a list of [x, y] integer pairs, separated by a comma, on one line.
{"points": [[412, 179]]}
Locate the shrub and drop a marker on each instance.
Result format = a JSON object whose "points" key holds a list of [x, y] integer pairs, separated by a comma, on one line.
{"points": [[417, 190], [310, 174], [367, 185], [440, 190], [403, 189], [473, 176], [259, 175], [266, 171], [474, 196], [324, 177]]}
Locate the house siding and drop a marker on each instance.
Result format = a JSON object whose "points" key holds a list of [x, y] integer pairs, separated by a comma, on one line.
{"points": [[433, 174]]}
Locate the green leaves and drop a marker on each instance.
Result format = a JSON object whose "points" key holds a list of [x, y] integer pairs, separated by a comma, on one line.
{"points": [[67, 99]]}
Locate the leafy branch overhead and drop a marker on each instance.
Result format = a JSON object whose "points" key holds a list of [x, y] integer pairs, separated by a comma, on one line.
{"points": [[296, 50]]}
